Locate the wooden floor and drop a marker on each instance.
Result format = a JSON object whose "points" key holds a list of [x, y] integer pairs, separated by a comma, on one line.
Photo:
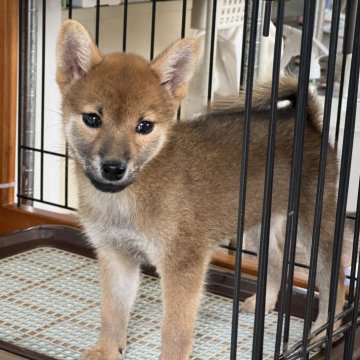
{"points": [[6, 356]]}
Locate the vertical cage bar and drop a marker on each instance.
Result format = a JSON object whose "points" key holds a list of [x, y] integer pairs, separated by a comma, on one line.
{"points": [[66, 193], [152, 37], [212, 48], [20, 113], [97, 22], [27, 98], [268, 187], [348, 45], [280, 20], [246, 45], [322, 171], [183, 19], [42, 100], [70, 9], [350, 334], [243, 178], [350, 348], [183, 29], [267, 17], [125, 25], [344, 179], [244, 55], [349, 18], [295, 177]]}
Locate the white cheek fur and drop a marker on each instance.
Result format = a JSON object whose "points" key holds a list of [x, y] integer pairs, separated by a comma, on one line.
{"points": [[71, 135]]}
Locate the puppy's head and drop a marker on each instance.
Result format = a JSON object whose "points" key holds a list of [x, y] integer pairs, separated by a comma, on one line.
{"points": [[118, 109]]}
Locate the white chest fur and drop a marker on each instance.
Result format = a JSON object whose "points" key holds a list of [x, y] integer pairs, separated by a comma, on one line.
{"points": [[110, 221]]}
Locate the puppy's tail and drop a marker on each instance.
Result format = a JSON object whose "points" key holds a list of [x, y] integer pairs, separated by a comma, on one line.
{"points": [[261, 100]]}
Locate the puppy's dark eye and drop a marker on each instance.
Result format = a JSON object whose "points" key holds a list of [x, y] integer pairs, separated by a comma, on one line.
{"points": [[92, 120], [145, 127]]}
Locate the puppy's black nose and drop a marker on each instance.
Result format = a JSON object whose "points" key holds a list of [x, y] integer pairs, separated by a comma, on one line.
{"points": [[112, 170]]}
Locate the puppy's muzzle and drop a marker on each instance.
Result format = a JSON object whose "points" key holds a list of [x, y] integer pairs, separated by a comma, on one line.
{"points": [[112, 170]]}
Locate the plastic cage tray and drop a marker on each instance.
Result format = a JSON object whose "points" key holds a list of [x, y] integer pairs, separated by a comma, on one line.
{"points": [[49, 304]]}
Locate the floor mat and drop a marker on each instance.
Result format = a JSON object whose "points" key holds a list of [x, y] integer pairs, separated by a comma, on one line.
{"points": [[49, 303]]}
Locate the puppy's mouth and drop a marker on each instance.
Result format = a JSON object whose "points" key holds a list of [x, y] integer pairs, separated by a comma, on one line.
{"points": [[108, 187]]}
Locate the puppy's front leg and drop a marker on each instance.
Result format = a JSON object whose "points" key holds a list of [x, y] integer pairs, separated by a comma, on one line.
{"points": [[119, 283], [182, 284]]}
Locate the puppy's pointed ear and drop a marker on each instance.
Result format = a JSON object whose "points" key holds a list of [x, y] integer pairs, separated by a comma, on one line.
{"points": [[76, 53], [175, 66]]}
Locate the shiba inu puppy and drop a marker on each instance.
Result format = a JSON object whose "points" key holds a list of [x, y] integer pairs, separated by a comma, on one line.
{"points": [[165, 192]]}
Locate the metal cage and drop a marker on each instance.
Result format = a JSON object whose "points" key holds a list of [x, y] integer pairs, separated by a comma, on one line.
{"points": [[255, 22]]}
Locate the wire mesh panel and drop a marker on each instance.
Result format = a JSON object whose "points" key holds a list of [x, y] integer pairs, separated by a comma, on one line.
{"points": [[52, 311], [261, 44]]}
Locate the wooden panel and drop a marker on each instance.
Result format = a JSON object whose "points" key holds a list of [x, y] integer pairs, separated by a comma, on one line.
{"points": [[250, 267], [13, 218], [8, 94]]}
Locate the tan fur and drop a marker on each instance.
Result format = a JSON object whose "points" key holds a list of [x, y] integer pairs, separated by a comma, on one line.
{"points": [[113, 304], [179, 195]]}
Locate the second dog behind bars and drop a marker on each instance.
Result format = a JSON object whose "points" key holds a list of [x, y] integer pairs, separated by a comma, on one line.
{"points": [[164, 192]]}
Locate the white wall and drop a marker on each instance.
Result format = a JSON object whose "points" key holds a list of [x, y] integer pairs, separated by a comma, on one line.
{"points": [[53, 137], [355, 164]]}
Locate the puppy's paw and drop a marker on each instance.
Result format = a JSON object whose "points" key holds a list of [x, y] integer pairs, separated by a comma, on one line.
{"points": [[250, 303], [98, 353], [93, 355]]}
